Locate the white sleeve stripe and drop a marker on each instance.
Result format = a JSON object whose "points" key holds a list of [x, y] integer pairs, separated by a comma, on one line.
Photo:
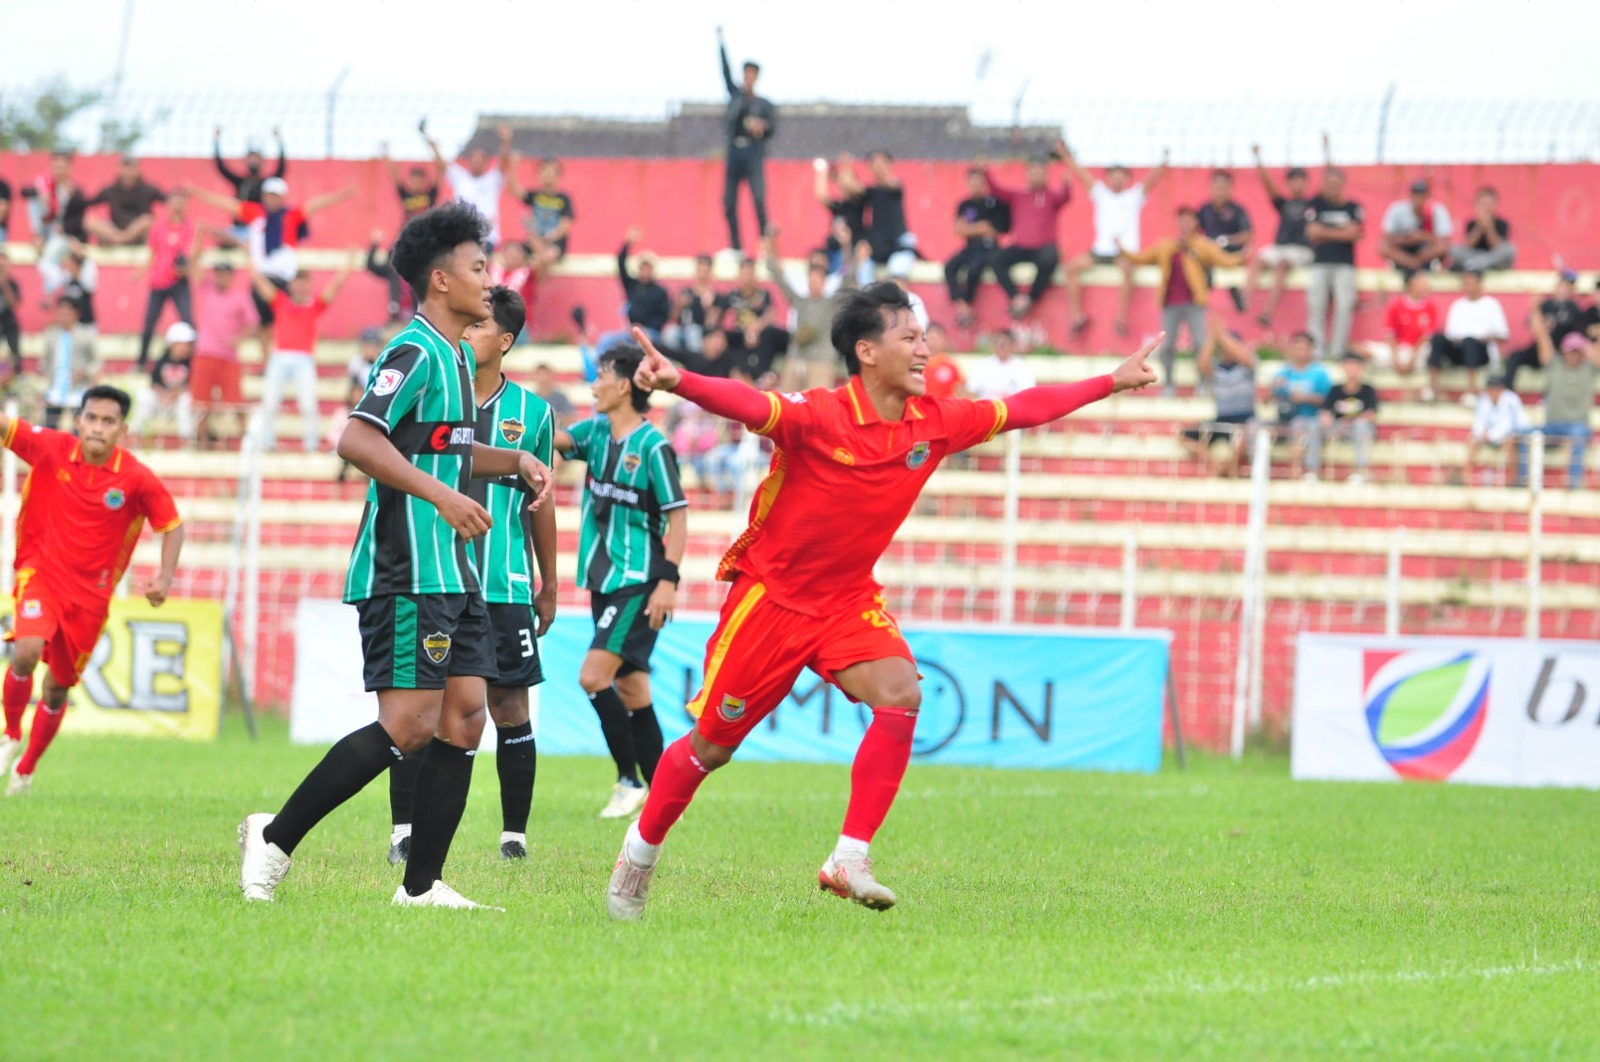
{"points": [[372, 418]]}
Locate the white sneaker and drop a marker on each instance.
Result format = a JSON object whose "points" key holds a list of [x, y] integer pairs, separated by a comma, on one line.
{"points": [[10, 753], [1427, 395], [1309, 477], [630, 885], [441, 895], [1356, 478], [625, 802], [20, 784], [262, 865], [851, 878]]}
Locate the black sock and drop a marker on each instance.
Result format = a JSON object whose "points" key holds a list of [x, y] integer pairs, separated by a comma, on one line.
{"points": [[516, 759], [646, 740], [355, 759], [618, 733], [402, 785], [442, 787]]}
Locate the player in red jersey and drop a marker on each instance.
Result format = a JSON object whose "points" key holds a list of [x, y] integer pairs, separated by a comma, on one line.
{"points": [[803, 594], [84, 503]]}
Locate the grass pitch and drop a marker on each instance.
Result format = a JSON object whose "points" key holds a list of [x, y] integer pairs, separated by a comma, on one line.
{"points": [[1224, 912]]}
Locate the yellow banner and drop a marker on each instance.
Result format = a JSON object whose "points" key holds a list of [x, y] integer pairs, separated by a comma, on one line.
{"points": [[155, 672]]}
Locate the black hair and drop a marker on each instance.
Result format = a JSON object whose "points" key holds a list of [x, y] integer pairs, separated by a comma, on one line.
{"points": [[751, 64], [624, 359], [1488, 189], [106, 393], [1117, 167], [704, 259], [1301, 335], [863, 313], [432, 236], [77, 311], [510, 313], [1189, 210], [1225, 174], [1296, 171]]}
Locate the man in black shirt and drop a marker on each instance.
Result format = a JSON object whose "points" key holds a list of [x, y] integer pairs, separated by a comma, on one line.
{"points": [[1289, 249], [750, 123], [1487, 239], [892, 243], [1226, 224], [5, 209], [1563, 316], [247, 184], [694, 310], [80, 278], [1349, 412], [1333, 225], [418, 189], [549, 224], [980, 220], [749, 320], [129, 200], [648, 304], [848, 210]]}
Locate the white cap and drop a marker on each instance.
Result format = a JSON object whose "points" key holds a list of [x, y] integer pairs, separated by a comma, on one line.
{"points": [[180, 332], [274, 186]]}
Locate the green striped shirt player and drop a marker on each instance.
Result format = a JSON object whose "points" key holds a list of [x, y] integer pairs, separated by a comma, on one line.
{"points": [[631, 541], [508, 418], [425, 635]]}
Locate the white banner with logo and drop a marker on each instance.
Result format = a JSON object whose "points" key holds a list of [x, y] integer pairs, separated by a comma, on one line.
{"points": [[1488, 711]]}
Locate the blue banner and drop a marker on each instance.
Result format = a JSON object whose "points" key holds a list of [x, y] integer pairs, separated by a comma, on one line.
{"points": [[1018, 698]]}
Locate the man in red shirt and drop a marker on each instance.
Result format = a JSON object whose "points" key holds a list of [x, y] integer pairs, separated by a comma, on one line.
{"points": [[1411, 319], [84, 503], [942, 377], [296, 317], [803, 595], [1033, 232], [174, 240]]}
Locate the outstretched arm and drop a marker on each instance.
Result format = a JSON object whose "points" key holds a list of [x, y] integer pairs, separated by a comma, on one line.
{"points": [[283, 153], [1261, 171], [320, 203], [725, 398], [1041, 405], [727, 70], [222, 166], [1155, 175]]}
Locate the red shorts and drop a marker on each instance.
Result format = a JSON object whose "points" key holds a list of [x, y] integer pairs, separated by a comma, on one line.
{"points": [[208, 376], [759, 649], [69, 632]]}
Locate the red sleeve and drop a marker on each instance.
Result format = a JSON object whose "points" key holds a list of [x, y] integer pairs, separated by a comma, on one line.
{"points": [[32, 443], [280, 302], [998, 190], [968, 423], [156, 503], [782, 418], [1391, 317], [249, 212], [1041, 405]]}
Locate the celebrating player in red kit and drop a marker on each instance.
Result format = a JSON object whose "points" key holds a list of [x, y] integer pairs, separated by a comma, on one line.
{"points": [[84, 503], [803, 593]]}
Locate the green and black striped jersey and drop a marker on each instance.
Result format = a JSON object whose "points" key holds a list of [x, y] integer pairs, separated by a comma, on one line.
{"points": [[513, 418], [632, 485], [420, 394]]}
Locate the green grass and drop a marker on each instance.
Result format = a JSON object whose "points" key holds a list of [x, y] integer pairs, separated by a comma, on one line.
{"points": [[1224, 912]]}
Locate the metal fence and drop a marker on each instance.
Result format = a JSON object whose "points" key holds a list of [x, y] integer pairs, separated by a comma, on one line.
{"points": [[1393, 124]]}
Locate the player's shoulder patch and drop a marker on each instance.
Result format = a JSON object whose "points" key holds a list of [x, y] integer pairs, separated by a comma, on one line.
{"points": [[795, 397], [388, 381]]}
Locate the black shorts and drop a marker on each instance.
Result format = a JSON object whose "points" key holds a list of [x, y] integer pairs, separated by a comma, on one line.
{"points": [[516, 651], [1221, 430], [263, 307], [621, 626], [416, 641]]}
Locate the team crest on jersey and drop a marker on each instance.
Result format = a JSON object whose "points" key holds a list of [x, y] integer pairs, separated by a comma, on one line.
{"points": [[843, 456], [631, 462], [731, 708], [115, 499], [512, 429], [918, 455], [437, 646], [32, 609], [388, 382]]}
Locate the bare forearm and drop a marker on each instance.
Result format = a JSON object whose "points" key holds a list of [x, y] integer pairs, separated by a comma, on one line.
{"points": [[171, 546], [1041, 405], [544, 544], [364, 445], [492, 462], [677, 537]]}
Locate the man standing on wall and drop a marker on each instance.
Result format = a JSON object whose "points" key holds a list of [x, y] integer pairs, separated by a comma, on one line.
{"points": [[750, 124]]}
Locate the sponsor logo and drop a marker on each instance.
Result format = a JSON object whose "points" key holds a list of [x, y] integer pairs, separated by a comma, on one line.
{"points": [[437, 646], [731, 708], [843, 456], [612, 492], [512, 429], [523, 740], [388, 382], [115, 499], [32, 609], [794, 396], [444, 437], [631, 462], [1425, 710], [918, 455]]}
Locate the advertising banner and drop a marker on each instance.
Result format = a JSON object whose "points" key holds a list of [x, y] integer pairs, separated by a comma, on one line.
{"points": [[154, 672], [1488, 711], [1018, 697]]}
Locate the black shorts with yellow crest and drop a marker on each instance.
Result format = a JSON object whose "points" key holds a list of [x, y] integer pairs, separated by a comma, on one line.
{"points": [[417, 641]]}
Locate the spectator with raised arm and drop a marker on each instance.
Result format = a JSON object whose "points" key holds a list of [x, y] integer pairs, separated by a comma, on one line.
{"points": [[981, 220], [1226, 224], [173, 241], [1487, 239], [847, 209], [1474, 328], [473, 180], [1572, 368], [1349, 412], [1416, 230], [550, 216], [1034, 209], [129, 200], [749, 125], [247, 184], [1228, 369], [646, 303], [1290, 248], [1118, 203], [1333, 225], [1186, 261], [297, 318], [888, 234], [811, 360], [1561, 314]]}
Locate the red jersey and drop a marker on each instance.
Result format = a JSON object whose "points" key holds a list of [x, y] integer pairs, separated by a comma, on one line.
{"points": [[842, 482], [295, 324], [79, 522], [1412, 322], [169, 241], [942, 376]]}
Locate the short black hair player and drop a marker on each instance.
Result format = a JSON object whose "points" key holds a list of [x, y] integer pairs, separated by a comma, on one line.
{"points": [[634, 529], [514, 418], [424, 625]]}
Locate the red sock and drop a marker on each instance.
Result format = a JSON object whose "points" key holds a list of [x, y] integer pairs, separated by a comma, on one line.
{"points": [[15, 693], [678, 775], [879, 765], [45, 725]]}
